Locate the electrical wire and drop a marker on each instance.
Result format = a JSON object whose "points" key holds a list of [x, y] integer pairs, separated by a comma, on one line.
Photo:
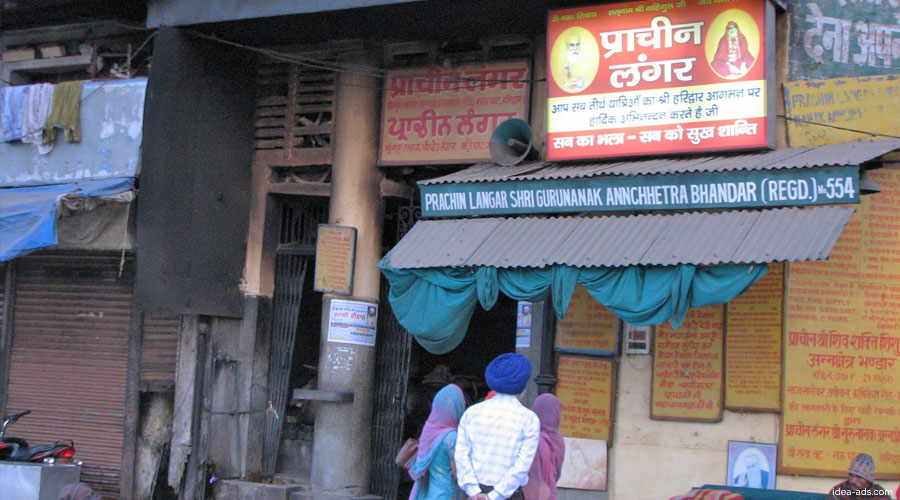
{"points": [[837, 127], [113, 22], [373, 71], [142, 45], [463, 82], [363, 70]]}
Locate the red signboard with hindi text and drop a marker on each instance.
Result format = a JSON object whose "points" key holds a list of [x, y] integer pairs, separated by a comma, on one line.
{"points": [[644, 77], [438, 115]]}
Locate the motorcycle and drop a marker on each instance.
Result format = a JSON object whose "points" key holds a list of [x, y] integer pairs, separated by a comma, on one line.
{"points": [[17, 450]]}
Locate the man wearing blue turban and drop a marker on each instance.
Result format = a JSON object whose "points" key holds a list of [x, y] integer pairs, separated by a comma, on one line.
{"points": [[497, 438]]}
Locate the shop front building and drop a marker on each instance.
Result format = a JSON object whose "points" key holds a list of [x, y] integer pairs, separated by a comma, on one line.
{"points": [[348, 208], [709, 214], [76, 357]]}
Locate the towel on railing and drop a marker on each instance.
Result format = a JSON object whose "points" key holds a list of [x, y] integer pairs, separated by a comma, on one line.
{"points": [[64, 112], [34, 115], [11, 115]]}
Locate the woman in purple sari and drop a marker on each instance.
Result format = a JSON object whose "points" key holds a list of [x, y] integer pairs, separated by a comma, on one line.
{"points": [[432, 470], [548, 460]]}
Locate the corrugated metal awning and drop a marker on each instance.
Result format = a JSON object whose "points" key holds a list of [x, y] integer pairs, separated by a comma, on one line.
{"points": [[700, 238], [853, 153]]}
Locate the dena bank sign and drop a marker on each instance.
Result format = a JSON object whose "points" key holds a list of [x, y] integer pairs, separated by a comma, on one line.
{"points": [[743, 189], [652, 77]]}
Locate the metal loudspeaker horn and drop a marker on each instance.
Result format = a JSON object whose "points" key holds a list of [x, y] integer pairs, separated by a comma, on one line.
{"points": [[511, 143]]}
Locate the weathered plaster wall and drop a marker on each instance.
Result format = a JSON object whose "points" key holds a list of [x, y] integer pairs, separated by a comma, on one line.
{"points": [[656, 460], [239, 353], [112, 114], [155, 434]]}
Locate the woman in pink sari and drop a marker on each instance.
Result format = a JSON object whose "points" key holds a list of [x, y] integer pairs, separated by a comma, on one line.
{"points": [[548, 460], [432, 469]]}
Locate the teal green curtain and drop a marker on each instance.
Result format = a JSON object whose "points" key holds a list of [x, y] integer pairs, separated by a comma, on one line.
{"points": [[436, 304]]}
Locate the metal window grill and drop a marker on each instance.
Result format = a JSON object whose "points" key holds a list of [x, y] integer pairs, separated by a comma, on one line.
{"points": [[290, 273]]}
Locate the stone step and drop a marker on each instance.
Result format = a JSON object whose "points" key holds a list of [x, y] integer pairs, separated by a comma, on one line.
{"points": [[310, 495], [231, 489]]}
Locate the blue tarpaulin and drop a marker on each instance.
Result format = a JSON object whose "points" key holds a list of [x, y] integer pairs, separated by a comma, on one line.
{"points": [[436, 304], [28, 214]]}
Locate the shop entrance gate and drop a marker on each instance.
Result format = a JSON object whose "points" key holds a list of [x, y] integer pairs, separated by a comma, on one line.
{"points": [[391, 377]]}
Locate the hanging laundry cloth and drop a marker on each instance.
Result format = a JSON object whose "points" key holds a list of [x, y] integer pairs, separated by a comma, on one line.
{"points": [[64, 112], [11, 112], [38, 100]]}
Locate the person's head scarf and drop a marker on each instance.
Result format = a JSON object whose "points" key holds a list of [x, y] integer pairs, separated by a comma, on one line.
{"points": [[551, 448], [446, 409]]}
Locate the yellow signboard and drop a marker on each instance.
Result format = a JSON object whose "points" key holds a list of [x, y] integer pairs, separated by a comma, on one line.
{"points": [[841, 109], [687, 368], [447, 115], [753, 345], [588, 325], [842, 346], [585, 389], [335, 253]]}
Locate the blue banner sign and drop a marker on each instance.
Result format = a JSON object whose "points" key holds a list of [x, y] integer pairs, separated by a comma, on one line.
{"points": [[744, 189]]}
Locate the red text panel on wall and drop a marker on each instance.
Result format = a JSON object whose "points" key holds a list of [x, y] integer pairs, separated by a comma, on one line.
{"points": [[687, 367], [842, 346]]}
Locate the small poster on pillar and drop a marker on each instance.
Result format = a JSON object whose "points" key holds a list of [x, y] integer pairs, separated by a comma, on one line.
{"points": [[351, 322], [523, 324], [335, 254]]}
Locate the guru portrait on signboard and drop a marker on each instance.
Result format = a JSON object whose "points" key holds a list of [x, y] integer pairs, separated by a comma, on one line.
{"points": [[642, 78], [733, 54], [574, 59]]}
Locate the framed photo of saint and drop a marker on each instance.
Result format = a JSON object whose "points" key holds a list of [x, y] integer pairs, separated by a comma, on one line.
{"points": [[751, 465]]}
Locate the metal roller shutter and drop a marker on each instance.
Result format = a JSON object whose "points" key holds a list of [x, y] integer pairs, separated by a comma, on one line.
{"points": [[159, 351], [69, 358], [2, 292]]}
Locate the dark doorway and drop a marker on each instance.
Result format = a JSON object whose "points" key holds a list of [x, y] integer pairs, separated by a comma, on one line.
{"points": [[294, 353], [490, 334]]}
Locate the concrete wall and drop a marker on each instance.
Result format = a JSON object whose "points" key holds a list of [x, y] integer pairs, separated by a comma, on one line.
{"points": [[239, 352], [111, 115], [195, 177], [533, 351], [681, 455], [570, 494]]}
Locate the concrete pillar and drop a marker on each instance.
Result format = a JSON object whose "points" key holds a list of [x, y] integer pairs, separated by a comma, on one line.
{"points": [[341, 463], [535, 352]]}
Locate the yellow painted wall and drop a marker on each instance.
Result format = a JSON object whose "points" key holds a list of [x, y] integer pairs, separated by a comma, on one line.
{"points": [[655, 460]]}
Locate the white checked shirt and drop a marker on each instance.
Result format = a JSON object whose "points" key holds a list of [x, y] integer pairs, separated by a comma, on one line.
{"points": [[496, 442]]}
